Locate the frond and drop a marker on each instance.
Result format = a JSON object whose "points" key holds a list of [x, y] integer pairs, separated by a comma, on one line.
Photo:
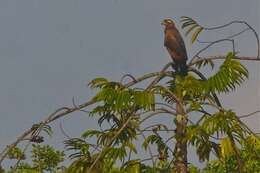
{"points": [[192, 26], [230, 74], [204, 63], [79, 147]]}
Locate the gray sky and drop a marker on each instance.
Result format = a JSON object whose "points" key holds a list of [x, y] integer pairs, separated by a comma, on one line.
{"points": [[50, 50]]}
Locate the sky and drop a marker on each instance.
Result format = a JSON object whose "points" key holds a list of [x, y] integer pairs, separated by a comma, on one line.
{"points": [[51, 49]]}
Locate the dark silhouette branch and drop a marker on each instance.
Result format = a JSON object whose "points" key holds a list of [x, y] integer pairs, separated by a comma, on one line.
{"points": [[148, 147], [204, 78], [61, 112], [197, 55], [157, 112], [240, 22], [248, 115], [223, 57], [211, 43], [127, 75], [110, 143], [229, 37]]}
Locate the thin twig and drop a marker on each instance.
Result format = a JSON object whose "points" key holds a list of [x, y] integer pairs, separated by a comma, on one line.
{"points": [[149, 149], [208, 46], [159, 77], [150, 158], [229, 37], [19, 160], [239, 22], [127, 75], [157, 126], [204, 78], [222, 57], [248, 115], [110, 143], [164, 104], [63, 132], [156, 112]]}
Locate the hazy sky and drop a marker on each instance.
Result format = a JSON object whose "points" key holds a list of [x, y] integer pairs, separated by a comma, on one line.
{"points": [[50, 50]]}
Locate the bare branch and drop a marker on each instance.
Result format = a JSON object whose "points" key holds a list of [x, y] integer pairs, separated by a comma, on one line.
{"points": [[63, 132], [166, 105], [159, 77], [150, 158], [248, 115], [229, 37], [127, 75], [197, 55], [149, 148], [249, 27], [53, 116], [156, 112], [222, 57], [157, 126], [204, 78]]}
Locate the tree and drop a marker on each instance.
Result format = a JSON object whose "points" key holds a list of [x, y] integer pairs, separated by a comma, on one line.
{"points": [[125, 113]]}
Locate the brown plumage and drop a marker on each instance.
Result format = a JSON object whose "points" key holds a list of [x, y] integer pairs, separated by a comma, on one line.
{"points": [[175, 46]]}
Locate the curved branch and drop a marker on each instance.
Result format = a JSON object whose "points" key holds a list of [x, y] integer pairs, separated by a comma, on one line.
{"points": [[63, 132], [158, 125], [53, 116], [159, 77], [229, 37], [147, 76], [156, 112], [61, 112], [150, 158], [248, 115], [239, 22], [208, 46], [149, 148], [166, 105], [204, 78], [110, 143], [222, 57], [127, 75]]}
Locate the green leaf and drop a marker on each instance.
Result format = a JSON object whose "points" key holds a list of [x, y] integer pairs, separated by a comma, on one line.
{"points": [[132, 166], [90, 133], [196, 34], [190, 29], [188, 23], [98, 83], [226, 147]]}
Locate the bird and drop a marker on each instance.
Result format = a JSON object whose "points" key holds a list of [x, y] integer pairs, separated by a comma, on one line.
{"points": [[175, 46]]}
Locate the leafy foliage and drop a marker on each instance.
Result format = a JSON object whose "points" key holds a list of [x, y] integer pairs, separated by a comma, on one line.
{"points": [[46, 157], [229, 164], [118, 98], [230, 74], [204, 134], [45, 128], [162, 148], [16, 153], [123, 112], [205, 62], [191, 25], [79, 147]]}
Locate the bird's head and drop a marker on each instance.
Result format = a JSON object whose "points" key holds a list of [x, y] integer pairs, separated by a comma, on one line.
{"points": [[168, 23]]}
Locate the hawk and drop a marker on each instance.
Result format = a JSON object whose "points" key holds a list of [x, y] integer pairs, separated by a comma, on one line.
{"points": [[175, 46]]}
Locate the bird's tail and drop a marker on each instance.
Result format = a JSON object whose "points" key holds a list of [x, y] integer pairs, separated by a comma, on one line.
{"points": [[183, 69]]}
